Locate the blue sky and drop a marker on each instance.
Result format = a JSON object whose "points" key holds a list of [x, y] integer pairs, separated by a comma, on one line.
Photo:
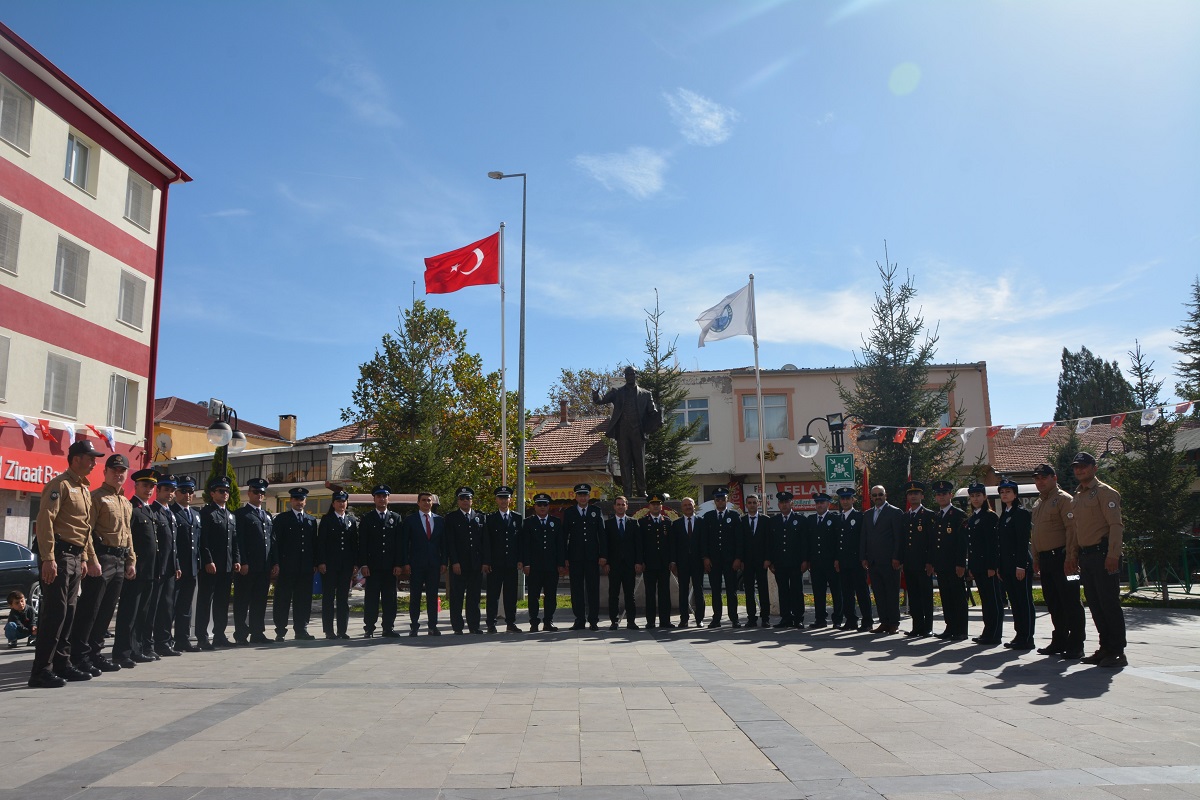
{"points": [[1034, 165]]}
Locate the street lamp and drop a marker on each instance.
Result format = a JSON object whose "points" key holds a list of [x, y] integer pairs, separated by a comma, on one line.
{"points": [[496, 175], [223, 437], [807, 446], [1108, 451]]}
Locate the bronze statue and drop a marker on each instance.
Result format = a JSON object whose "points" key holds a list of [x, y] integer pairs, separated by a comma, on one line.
{"points": [[634, 417]]}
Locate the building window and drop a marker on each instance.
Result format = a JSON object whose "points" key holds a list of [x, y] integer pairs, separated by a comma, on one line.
{"points": [[132, 301], [4, 345], [122, 402], [10, 238], [70, 271], [79, 156], [16, 115], [688, 412], [138, 197], [936, 397], [62, 386], [775, 416]]}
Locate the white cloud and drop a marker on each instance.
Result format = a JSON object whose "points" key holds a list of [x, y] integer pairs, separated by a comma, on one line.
{"points": [[639, 170], [363, 92], [700, 120], [825, 120], [230, 212]]}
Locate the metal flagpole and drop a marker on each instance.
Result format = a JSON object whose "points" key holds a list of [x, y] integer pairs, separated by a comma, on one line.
{"points": [[762, 460], [503, 385]]}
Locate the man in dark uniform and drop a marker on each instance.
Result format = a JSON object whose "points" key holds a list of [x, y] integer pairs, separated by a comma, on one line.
{"points": [[381, 558], [256, 543], [983, 560], [656, 564], [295, 547], [160, 612], [852, 578], [464, 546], [129, 647], [915, 556], [624, 548], [583, 526], [756, 533], [723, 556], [687, 561], [501, 555], [824, 533], [423, 556], [948, 559], [879, 548], [785, 558], [1052, 538], [220, 561], [337, 557], [1016, 563], [1099, 529], [543, 560], [187, 550]]}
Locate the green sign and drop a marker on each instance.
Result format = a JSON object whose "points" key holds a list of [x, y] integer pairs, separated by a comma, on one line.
{"points": [[839, 470]]}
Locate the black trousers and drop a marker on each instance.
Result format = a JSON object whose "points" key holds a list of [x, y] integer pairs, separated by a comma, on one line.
{"points": [[691, 592], [1103, 592], [293, 598], [724, 578], [95, 608], [621, 581], [335, 600], [990, 590], [919, 587], [423, 585], [250, 604], [502, 581], [379, 591], [542, 585], [953, 592], [465, 590], [164, 611], [585, 591], [885, 584], [1062, 601], [824, 581], [852, 583], [791, 595], [131, 619], [212, 602], [185, 597], [56, 616], [1020, 600], [658, 595], [757, 587]]}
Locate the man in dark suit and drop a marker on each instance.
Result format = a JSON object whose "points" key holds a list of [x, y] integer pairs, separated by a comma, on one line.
{"points": [[687, 561], [256, 544], [187, 550], [635, 416], [295, 549], [161, 610], [879, 551], [656, 564], [949, 557], [380, 557], [624, 563], [824, 532], [915, 555], [852, 578], [583, 526], [543, 560], [464, 546], [723, 542], [220, 559], [423, 554], [337, 558], [756, 530], [501, 555], [786, 550], [128, 646]]}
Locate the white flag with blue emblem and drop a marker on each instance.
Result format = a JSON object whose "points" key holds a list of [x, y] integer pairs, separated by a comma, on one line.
{"points": [[733, 316]]}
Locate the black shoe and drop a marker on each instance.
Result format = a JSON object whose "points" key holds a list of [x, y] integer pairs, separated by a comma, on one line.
{"points": [[476, 631], [434, 632], [683, 623], [89, 668], [203, 644], [512, 628], [491, 628], [910, 634], [391, 634], [126, 663], [331, 636], [612, 626], [533, 626], [258, 638], [140, 658], [340, 636], [667, 626], [305, 636], [943, 635], [188, 647], [816, 626], [69, 673], [865, 627], [650, 626], [549, 627], [1114, 661], [1072, 655], [221, 641], [413, 632], [593, 626], [958, 637], [1052, 649], [633, 626], [1096, 657], [241, 641], [578, 626], [166, 652], [797, 625], [45, 679], [716, 623], [735, 624], [150, 654], [780, 624], [279, 637], [458, 631], [368, 634], [104, 665], [765, 623], [752, 622]]}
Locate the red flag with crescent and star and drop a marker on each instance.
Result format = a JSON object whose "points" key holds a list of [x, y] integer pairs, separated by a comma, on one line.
{"points": [[477, 264]]}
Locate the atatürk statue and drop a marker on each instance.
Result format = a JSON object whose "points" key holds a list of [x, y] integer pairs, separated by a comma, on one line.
{"points": [[635, 416]]}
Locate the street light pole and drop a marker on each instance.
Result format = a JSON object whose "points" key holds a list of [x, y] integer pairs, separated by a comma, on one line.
{"points": [[224, 437]]}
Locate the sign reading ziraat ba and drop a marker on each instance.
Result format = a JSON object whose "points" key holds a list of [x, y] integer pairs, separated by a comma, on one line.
{"points": [[28, 472]]}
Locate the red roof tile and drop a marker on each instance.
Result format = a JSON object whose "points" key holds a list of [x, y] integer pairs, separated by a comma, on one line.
{"points": [[578, 444], [177, 411], [1022, 454], [354, 432]]}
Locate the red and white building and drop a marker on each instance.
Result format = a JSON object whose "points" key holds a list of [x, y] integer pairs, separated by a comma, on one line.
{"points": [[83, 211]]}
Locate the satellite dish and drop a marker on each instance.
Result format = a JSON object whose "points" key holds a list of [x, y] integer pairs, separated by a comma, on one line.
{"points": [[789, 366], [163, 443]]}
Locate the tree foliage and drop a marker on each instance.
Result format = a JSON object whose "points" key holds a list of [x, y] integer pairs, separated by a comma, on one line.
{"points": [[1088, 386], [669, 462], [1187, 370], [235, 494], [436, 413], [891, 387], [1061, 456], [575, 386], [1153, 479]]}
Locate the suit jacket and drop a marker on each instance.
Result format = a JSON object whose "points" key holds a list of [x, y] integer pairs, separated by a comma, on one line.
{"points": [[295, 543], [337, 541], [688, 551], [848, 551], [915, 547], [624, 551], [983, 542], [143, 525], [1013, 532], [754, 543], [187, 539], [823, 540], [255, 538], [949, 540], [585, 535], [502, 548], [465, 539], [166, 561], [382, 542], [420, 552], [880, 544], [656, 543], [641, 405], [722, 538], [218, 539], [786, 547], [543, 545]]}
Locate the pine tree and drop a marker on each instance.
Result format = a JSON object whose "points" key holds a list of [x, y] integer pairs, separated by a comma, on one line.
{"points": [[1061, 456], [1188, 368], [1088, 386], [668, 461], [235, 494]]}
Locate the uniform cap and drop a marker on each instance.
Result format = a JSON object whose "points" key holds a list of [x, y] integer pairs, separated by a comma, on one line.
{"points": [[583, 488], [382, 488], [148, 475], [914, 486], [504, 491], [1085, 458], [541, 499], [258, 484], [83, 447], [846, 491], [341, 494], [1008, 483], [168, 481], [117, 461], [1042, 470], [943, 487], [218, 483], [298, 493], [186, 484], [977, 488], [465, 491], [720, 492], [821, 497], [784, 497], [654, 497]]}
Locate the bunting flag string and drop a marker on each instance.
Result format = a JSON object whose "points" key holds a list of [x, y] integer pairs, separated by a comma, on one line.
{"points": [[43, 429]]}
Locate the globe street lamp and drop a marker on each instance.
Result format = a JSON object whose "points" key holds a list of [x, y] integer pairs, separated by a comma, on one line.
{"points": [[222, 436], [807, 446]]}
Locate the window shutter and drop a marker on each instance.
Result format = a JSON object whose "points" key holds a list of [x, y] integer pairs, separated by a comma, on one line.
{"points": [[132, 302], [4, 344], [10, 238], [16, 115]]}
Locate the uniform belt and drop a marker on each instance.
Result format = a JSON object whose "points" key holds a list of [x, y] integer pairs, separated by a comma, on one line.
{"points": [[106, 550], [66, 547], [1101, 547], [1058, 551]]}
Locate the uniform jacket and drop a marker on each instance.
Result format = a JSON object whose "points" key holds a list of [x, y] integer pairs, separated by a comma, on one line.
{"points": [[143, 525], [255, 538], [465, 538], [65, 513], [337, 541], [419, 551], [624, 551], [166, 559], [187, 539], [915, 550], [111, 512], [723, 538], [881, 540], [585, 535], [1096, 512], [754, 545], [543, 545], [383, 542], [218, 538], [656, 543], [786, 547], [688, 551], [1013, 533], [849, 545], [823, 540], [1053, 525], [983, 543], [949, 544], [502, 549], [295, 543]]}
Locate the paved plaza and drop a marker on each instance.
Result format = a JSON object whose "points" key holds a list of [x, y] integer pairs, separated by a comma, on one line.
{"points": [[681, 714]]}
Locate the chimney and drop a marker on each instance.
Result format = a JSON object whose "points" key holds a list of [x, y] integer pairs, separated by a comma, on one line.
{"points": [[287, 426], [562, 413]]}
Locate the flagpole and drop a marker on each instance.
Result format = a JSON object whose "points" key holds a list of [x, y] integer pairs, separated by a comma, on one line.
{"points": [[762, 453], [503, 375]]}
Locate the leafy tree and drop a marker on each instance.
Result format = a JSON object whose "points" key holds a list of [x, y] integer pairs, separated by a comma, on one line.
{"points": [[1061, 456], [575, 386], [235, 494], [891, 386], [436, 412], [669, 462], [1090, 387], [1153, 479], [1188, 368]]}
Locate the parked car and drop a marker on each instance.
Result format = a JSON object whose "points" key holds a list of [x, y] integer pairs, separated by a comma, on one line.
{"points": [[19, 570]]}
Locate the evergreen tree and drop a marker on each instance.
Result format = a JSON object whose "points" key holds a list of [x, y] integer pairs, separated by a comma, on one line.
{"points": [[1090, 387], [890, 387], [235, 494], [1188, 368], [1061, 456], [669, 462], [575, 386]]}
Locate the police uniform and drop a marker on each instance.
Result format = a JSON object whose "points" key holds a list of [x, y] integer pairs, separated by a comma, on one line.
{"points": [[756, 531], [656, 565], [948, 548], [824, 533], [1052, 538], [1096, 512], [915, 557], [161, 611], [624, 556], [256, 546], [187, 552], [380, 552], [786, 552], [723, 550], [295, 548], [983, 556], [852, 578], [218, 553], [464, 547], [337, 553], [1013, 535], [583, 527], [501, 555], [544, 553], [687, 555], [130, 645]]}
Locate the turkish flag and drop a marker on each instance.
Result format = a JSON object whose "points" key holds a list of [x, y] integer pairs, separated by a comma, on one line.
{"points": [[1046, 426], [477, 264], [43, 427], [901, 433]]}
